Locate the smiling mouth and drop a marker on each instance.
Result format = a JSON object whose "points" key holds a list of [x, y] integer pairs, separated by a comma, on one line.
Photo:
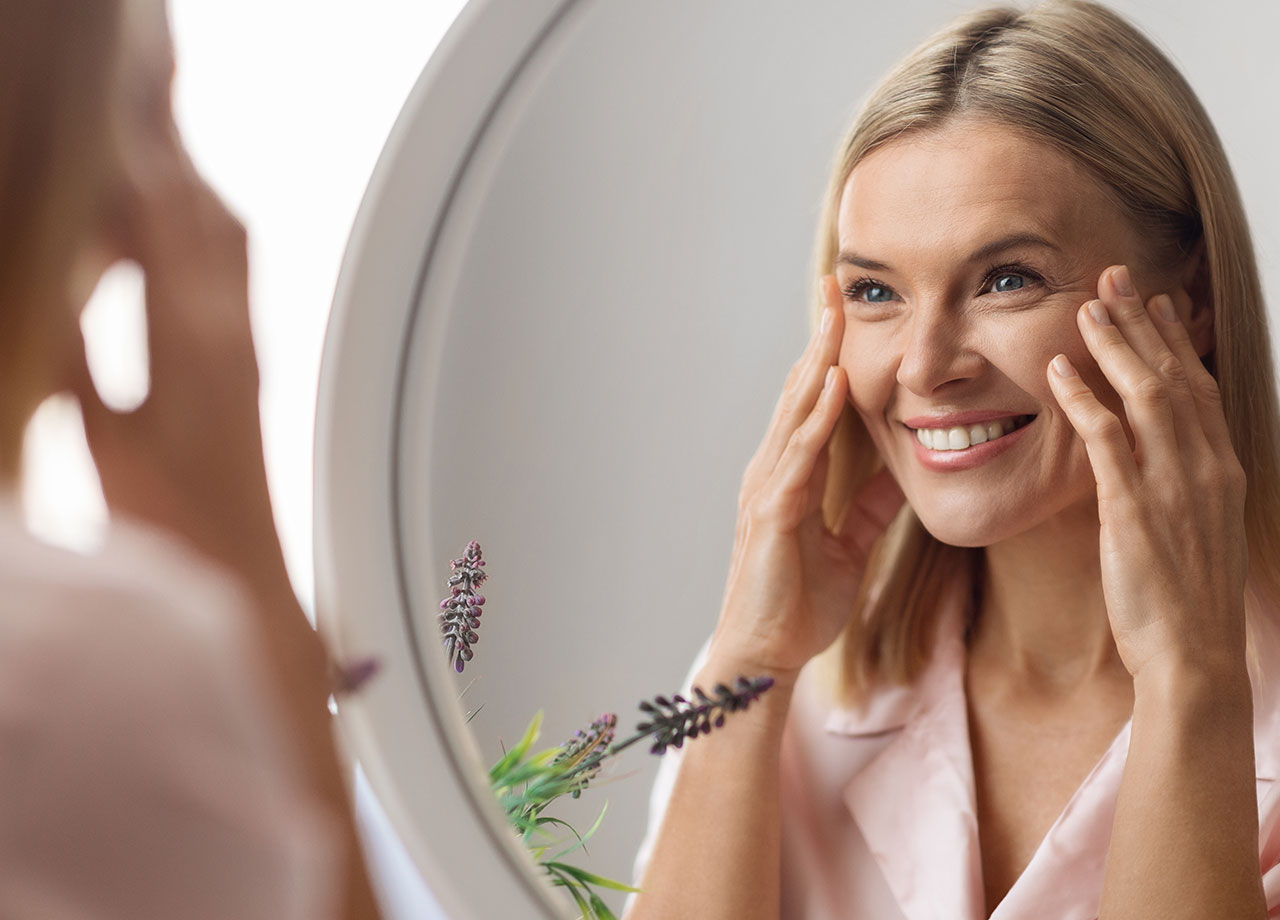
{"points": [[962, 437]]}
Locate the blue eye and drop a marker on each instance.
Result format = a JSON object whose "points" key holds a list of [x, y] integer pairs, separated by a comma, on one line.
{"points": [[1008, 282], [869, 290]]}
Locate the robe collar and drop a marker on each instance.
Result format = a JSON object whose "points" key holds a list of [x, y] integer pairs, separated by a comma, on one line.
{"points": [[915, 805]]}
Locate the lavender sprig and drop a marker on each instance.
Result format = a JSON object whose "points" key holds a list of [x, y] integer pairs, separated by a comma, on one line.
{"points": [[462, 608], [582, 749], [676, 719]]}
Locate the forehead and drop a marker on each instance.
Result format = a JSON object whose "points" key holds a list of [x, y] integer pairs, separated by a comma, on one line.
{"points": [[951, 189]]}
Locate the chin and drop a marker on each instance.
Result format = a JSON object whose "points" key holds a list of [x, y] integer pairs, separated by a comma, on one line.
{"points": [[973, 521]]}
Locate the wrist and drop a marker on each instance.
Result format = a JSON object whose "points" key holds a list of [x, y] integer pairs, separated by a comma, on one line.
{"points": [[725, 662], [1206, 691]]}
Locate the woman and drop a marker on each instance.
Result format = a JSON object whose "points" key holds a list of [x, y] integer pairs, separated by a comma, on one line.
{"points": [[1021, 618], [165, 747]]}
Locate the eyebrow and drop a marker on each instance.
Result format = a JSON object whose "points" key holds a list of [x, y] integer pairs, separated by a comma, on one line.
{"points": [[981, 254]]}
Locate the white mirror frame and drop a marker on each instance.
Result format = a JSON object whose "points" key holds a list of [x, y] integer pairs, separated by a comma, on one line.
{"points": [[476, 868]]}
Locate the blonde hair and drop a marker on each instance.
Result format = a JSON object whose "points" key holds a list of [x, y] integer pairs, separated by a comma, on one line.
{"points": [[1080, 78], [57, 67]]}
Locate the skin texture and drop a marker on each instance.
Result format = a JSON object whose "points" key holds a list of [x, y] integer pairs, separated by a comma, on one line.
{"points": [[1113, 532]]}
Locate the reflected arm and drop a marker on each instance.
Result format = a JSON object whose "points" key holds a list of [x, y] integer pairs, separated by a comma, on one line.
{"points": [[717, 854], [1185, 838]]}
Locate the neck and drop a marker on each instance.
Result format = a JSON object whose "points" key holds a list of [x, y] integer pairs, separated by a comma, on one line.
{"points": [[1042, 618]]}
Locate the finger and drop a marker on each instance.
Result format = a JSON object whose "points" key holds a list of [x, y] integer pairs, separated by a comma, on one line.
{"points": [[1128, 312], [873, 509], [1146, 398], [1132, 316], [1113, 464], [800, 393], [79, 382], [787, 498], [1203, 386]]}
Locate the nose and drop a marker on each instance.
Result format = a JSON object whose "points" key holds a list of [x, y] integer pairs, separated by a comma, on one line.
{"points": [[935, 350]]}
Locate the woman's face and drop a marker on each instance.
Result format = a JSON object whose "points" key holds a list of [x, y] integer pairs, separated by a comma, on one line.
{"points": [[965, 253]]}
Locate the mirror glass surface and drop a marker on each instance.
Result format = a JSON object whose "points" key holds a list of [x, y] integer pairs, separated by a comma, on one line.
{"points": [[614, 289]]}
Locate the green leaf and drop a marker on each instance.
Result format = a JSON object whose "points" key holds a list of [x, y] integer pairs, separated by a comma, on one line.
{"points": [[516, 773], [582, 875], [583, 838], [550, 820], [601, 908], [516, 754], [573, 890]]}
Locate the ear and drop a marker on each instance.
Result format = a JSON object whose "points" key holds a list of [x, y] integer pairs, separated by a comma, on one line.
{"points": [[1197, 310]]}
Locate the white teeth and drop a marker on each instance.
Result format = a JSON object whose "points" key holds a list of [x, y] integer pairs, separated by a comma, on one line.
{"points": [[961, 438]]}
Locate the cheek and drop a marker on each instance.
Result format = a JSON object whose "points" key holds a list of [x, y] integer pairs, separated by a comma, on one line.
{"points": [[1084, 362], [872, 379], [871, 376]]}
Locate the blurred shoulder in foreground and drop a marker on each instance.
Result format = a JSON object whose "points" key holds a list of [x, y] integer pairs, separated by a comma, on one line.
{"points": [[145, 771]]}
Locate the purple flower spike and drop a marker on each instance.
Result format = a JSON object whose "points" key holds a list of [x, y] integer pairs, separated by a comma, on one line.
{"points": [[582, 754], [461, 616], [671, 721]]}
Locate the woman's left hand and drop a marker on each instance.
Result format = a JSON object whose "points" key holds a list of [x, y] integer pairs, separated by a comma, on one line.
{"points": [[1171, 501]]}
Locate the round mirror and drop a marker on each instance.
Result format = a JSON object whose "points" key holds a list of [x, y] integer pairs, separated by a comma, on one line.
{"points": [[576, 283]]}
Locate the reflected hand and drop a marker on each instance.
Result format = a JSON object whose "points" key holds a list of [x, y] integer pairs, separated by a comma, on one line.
{"points": [[1171, 506], [792, 581]]}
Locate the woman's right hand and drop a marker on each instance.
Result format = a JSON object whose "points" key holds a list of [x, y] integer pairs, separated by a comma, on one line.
{"points": [[793, 581], [190, 458]]}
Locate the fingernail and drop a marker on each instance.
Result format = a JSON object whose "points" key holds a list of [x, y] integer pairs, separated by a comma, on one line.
{"points": [[826, 318], [831, 376], [1121, 281], [1164, 306], [1062, 367], [1098, 310]]}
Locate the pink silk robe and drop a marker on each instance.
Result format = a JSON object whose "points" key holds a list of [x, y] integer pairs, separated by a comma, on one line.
{"points": [[878, 812], [145, 771]]}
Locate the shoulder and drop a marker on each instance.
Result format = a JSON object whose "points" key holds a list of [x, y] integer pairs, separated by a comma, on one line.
{"points": [[141, 587], [138, 730], [143, 629]]}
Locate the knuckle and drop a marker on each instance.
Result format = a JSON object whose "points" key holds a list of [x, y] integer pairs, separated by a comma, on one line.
{"points": [[1103, 426], [1212, 480], [1171, 369], [1237, 479], [1207, 389], [800, 438], [1151, 390], [1128, 310], [790, 402], [1082, 403]]}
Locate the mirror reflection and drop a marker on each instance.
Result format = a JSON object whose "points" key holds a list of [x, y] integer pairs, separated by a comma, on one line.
{"points": [[977, 656]]}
